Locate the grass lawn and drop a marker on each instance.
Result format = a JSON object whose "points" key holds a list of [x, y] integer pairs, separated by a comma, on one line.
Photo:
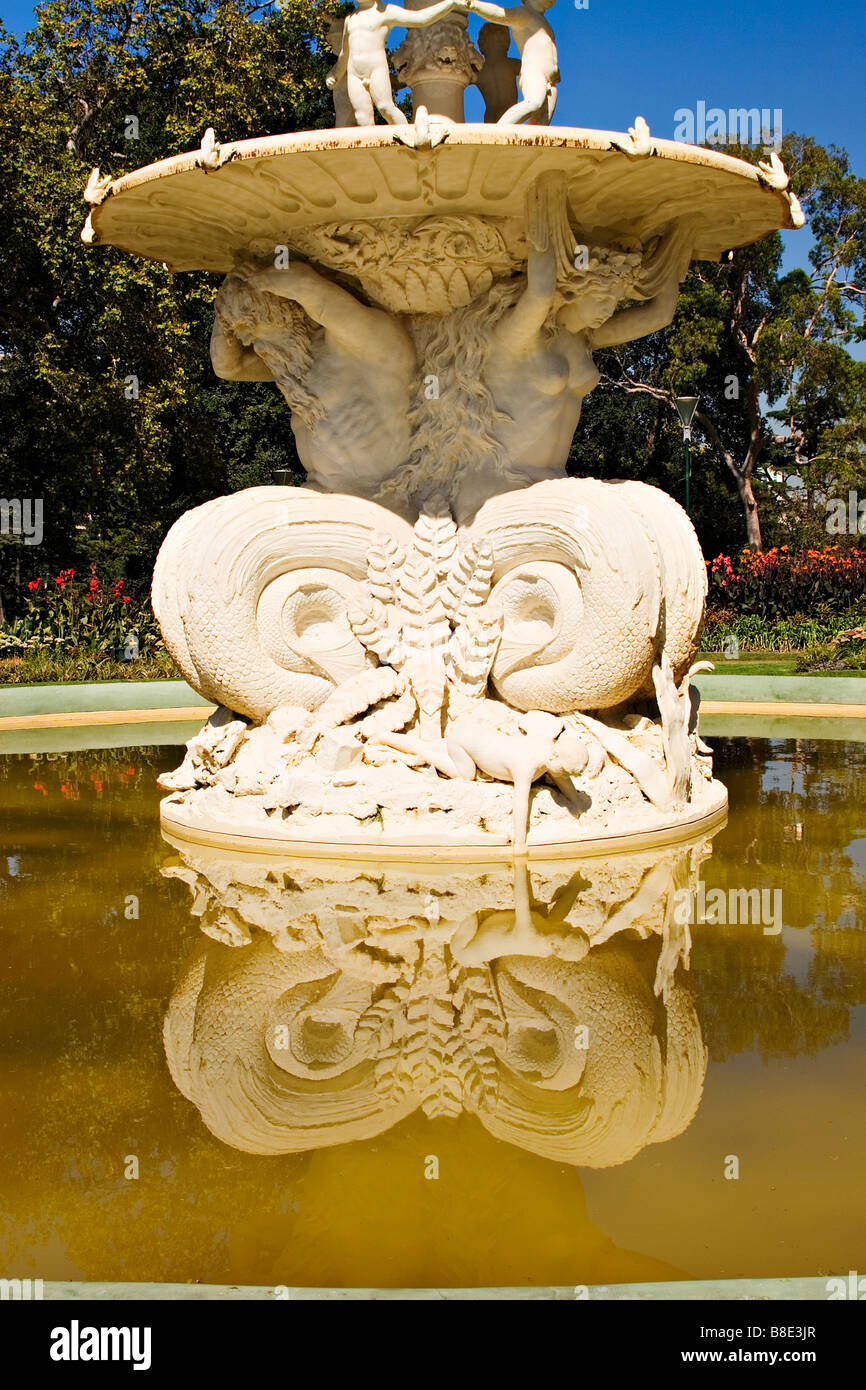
{"points": [[764, 664], [42, 670]]}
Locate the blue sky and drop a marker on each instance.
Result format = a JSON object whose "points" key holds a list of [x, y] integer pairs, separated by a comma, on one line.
{"points": [[620, 58]]}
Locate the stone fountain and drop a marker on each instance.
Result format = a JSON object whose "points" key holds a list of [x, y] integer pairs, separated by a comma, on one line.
{"points": [[440, 641]]}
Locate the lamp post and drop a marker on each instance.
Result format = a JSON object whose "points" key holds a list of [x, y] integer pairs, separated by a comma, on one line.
{"points": [[686, 407]]}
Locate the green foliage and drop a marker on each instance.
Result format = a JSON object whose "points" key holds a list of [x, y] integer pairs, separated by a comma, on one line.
{"points": [[76, 323], [835, 655], [45, 666], [767, 354], [754, 633]]}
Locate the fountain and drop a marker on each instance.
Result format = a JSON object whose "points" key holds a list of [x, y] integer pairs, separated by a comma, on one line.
{"points": [[440, 641]]}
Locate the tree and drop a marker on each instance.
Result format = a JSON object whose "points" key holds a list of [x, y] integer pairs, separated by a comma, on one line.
{"points": [[746, 334], [110, 408]]}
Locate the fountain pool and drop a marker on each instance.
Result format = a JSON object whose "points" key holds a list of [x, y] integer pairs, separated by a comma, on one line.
{"points": [[436, 1117]]}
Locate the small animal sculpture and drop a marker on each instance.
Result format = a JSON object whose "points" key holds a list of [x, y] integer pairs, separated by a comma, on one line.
{"points": [[542, 749]]}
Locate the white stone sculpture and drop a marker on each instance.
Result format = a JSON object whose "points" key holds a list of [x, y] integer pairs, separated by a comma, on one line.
{"points": [[347, 1001], [539, 65], [344, 115], [370, 656], [497, 80], [345, 369], [440, 643], [438, 63], [363, 59], [638, 142]]}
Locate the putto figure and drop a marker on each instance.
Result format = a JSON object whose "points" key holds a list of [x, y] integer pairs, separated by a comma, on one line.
{"points": [[344, 116], [363, 59], [497, 80], [539, 65]]}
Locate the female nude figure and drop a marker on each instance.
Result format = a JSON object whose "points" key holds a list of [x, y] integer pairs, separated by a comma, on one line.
{"points": [[347, 376], [540, 365]]}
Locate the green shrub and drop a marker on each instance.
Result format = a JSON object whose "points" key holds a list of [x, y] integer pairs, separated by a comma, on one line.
{"points": [[799, 632]]}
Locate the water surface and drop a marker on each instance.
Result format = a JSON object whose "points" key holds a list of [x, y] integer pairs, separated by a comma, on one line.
{"points": [[227, 1071]]}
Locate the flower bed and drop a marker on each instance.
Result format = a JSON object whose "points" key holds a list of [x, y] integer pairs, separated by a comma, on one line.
{"points": [[71, 615], [788, 584]]}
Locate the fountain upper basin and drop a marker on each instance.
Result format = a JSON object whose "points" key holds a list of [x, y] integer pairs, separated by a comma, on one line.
{"points": [[199, 211]]}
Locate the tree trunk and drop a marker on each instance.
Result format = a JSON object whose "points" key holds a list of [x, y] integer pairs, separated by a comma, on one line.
{"points": [[750, 506]]}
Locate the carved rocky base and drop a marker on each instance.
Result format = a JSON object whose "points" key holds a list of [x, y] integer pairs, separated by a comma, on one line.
{"points": [[396, 812], [512, 685]]}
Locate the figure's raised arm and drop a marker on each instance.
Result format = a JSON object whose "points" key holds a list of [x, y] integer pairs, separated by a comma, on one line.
{"points": [[637, 322], [495, 13], [417, 19], [359, 329], [518, 330], [660, 281], [232, 360]]}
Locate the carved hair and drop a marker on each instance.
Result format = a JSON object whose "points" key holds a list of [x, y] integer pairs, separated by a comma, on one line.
{"points": [[240, 307], [454, 430]]}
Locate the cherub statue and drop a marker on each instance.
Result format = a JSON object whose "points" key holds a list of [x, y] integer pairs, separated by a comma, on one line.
{"points": [[345, 369], [497, 80], [343, 114], [539, 65], [363, 59]]}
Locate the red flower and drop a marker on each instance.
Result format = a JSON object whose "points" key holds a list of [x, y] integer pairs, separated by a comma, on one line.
{"points": [[118, 586], [33, 585], [126, 598], [94, 585], [38, 787]]}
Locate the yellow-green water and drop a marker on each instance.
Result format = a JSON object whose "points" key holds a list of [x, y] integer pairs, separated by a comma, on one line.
{"points": [[435, 1117]]}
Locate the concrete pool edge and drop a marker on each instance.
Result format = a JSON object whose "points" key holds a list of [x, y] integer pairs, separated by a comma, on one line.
{"points": [[37, 719], [808, 1288], [44, 706], [102, 697]]}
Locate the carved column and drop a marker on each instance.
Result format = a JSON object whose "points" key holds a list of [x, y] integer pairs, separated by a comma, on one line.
{"points": [[438, 63]]}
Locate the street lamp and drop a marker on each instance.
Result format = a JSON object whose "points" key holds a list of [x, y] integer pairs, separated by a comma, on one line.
{"points": [[686, 407]]}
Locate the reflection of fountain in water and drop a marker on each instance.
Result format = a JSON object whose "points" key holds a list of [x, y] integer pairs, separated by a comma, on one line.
{"points": [[325, 1004]]}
